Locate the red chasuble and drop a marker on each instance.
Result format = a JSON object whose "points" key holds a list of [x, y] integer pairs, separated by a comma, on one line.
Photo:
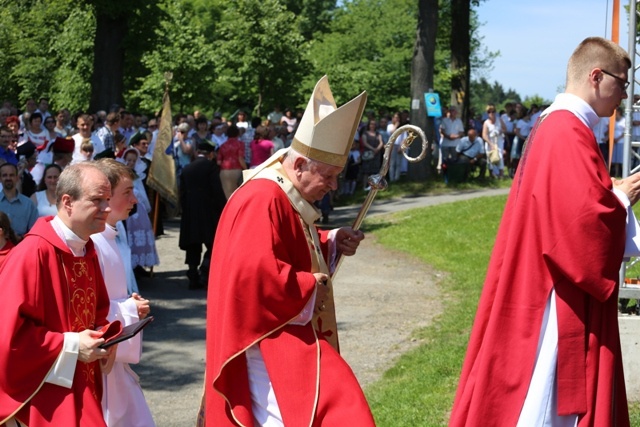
{"points": [[260, 280], [45, 290], [563, 228]]}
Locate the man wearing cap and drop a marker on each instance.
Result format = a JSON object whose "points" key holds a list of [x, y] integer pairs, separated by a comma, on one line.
{"points": [[272, 354], [60, 152], [27, 154], [202, 201], [140, 141], [18, 207]]}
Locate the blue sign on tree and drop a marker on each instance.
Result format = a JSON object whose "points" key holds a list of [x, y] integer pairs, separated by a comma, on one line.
{"points": [[432, 101]]}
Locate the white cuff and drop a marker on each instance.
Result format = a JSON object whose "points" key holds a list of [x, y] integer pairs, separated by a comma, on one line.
{"points": [[306, 314], [621, 195], [632, 239], [65, 365], [333, 252]]}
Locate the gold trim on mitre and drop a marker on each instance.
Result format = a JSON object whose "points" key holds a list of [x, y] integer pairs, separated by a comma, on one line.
{"points": [[326, 132]]}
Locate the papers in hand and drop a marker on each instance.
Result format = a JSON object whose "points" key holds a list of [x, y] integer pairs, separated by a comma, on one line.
{"points": [[114, 333], [632, 242]]}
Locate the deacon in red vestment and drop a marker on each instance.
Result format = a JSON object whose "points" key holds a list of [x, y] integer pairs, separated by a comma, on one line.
{"points": [[545, 345], [52, 299], [268, 362]]}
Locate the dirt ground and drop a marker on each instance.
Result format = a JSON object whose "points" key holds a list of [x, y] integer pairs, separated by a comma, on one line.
{"points": [[381, 298]]}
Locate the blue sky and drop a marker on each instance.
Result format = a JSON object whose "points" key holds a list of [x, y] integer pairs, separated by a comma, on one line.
{"points": [[536, 37]]}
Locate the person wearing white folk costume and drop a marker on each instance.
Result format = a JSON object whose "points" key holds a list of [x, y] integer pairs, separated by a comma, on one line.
{"points": [[123, 403]]}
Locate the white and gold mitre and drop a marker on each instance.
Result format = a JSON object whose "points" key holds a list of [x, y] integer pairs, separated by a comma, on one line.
{"points": [[326, 132]]}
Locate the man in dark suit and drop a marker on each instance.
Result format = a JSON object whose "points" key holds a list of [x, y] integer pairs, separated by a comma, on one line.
{"points": [[202, 200]]}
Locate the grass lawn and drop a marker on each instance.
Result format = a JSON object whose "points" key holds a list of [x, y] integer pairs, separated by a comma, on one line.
{"points": [[455, 238], [431, 187]]}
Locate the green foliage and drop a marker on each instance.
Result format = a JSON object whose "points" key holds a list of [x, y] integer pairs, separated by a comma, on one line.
{"points": [[535, 99], [31, 27], [456, 238], [9, 11], [258, 55], [314, 16], [143, 17], [486, 93], [71, 86], [369, 46], [182, 49], [634, 413], [224, 55]]}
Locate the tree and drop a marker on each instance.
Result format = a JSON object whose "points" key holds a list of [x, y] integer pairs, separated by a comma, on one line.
{"points": [[183, 50], [535, 99], [70, 85], [422, 81], [258, 53], [314, 16], [124, 30], [460, 56], [367, 46], [485, 93], [28, 61], [107, 79]]}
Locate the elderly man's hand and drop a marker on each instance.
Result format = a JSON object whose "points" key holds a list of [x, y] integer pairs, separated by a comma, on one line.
{"points": [[348, 240], [630, 186], [322, 290]]}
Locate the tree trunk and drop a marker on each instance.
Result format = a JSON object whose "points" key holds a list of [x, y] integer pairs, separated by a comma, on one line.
{"points": [[460, 52], [107, 81], [422, 82]]}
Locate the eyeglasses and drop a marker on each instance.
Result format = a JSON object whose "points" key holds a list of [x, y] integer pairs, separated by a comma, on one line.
{"points": [[624, 84]]}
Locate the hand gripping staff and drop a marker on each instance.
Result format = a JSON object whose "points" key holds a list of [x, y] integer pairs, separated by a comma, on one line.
{"points": [[377, 181]]}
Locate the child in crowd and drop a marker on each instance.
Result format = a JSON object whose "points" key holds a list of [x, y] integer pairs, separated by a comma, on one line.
{"points": [[352, 169], [86, 149]]}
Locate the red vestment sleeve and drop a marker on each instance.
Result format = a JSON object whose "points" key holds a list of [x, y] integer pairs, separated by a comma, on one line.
{"points": [[261, 271]]}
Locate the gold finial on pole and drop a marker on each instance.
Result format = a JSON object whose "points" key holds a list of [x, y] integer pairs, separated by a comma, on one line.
{"points": [[168, 76]]}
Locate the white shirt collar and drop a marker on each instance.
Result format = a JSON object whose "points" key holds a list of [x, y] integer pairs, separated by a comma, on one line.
{"points": [[110, 232], [575, 105], [71, 239]]}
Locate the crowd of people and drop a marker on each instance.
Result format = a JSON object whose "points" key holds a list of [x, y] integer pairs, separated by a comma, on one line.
{"points": [[544, 348], [40, 144], [506, 131], [74, 208], [490, 143]]}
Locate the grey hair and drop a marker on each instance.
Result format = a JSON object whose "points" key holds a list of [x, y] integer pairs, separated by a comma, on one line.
{"points": [[71, 180], [292, 155]]}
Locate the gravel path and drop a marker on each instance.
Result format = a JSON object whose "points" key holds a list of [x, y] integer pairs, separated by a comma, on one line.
{"points": [[381, 298]]}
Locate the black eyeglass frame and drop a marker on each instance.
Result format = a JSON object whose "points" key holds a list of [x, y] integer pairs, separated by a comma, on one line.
{"points": [[625, 83]]}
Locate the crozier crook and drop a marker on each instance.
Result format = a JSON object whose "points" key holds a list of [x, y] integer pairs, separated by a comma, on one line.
{"points": [[377, 182]]}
